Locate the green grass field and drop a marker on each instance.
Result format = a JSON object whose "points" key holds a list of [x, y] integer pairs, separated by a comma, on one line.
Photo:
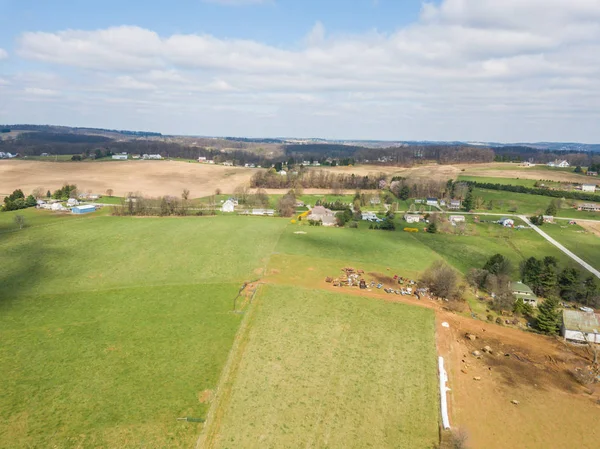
{"points": [[113, 327], [524, 203], [583, 243], [327, 370], [507, 181]]}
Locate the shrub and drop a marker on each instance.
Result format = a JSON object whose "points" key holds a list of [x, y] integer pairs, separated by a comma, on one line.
{"points": [[411, 230]]}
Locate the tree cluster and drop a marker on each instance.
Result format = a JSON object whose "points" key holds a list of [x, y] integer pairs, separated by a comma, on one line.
{"points": [[65, 192], [316, 179], [17, 200], [442, 281], [536, 191]]}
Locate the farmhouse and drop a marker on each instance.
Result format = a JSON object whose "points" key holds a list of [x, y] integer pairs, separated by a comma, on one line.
{"points": [[84, 209], [454, 205], [548, 218], [580, 326], [589, 207], [72, 202], [375, 200], [411, 218], [522, 291], [120, 157], [432, 201], [368, 216], [507, 222], [457, 218], [588, 188], [559, 164], [592, 173], [228, 206], [322, 214]]}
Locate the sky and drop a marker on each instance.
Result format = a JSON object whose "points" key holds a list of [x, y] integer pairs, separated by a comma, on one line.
{"points": [[470, 70]]}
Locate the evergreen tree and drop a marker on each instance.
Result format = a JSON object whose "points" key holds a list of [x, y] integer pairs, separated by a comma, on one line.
{"points": [[531, 270], [552, 209], [548, 281], [568, 282], [498, 265], [432, 228], [468, 201], [548, 316]]}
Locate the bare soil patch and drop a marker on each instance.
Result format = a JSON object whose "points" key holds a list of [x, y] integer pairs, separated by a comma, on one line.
{"points": [[153, 178], [590, 226]]}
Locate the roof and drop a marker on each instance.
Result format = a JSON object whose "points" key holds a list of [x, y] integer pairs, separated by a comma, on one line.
{"points": [[432, 199], [454, 201], [520, 287], [85, 207], [583, 321]]}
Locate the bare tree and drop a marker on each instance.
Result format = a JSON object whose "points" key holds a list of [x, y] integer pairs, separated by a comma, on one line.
{"points": [[185, 195], [39, 192], [287, 205], [441, 280], [109, 192], [591, 339], [217, 191], [19, 221]]}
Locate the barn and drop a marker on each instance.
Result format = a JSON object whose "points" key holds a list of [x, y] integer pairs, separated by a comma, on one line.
{"points": [[580, 326], [84, 209]]}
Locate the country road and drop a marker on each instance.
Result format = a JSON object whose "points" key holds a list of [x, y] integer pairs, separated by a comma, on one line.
{"points": [[577, 259]]}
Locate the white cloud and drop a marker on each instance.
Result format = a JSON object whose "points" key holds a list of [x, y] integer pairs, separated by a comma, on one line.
{"points": [[3, 54], [519, 58], [41, 92]]}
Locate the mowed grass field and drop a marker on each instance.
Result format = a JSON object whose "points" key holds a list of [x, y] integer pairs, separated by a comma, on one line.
{"points": [[575, 238], [113, 327], [323, 369]]}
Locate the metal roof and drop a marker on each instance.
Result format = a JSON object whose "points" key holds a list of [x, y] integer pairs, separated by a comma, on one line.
{"points": [[583, 321], [520, 287]]}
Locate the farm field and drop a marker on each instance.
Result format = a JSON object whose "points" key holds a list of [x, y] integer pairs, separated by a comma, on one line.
{"points": [[582, 242], [507, 181], [111, 331], [322, 369], [524, 203]]}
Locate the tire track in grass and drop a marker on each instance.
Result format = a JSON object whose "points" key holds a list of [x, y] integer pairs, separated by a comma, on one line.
{"points": [[210, 433]]}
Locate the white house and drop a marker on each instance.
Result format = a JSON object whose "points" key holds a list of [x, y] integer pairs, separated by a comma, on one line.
{"points": [[72, 202], [507, 222], [57, 207], [120, 157], [368, 216], [563, 164], [580, 326], [457, 218], [524, 292], [202, 159], [375, 200], [282, 172], [548, 218], [588, 188], [151, 156], [454, 204], [432, 201], [228, 206], [269, 212], [410, 218]]}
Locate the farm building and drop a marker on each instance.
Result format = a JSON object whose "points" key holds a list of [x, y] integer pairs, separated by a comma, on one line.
{"points": [[375, 200], [588, 188], [269, 212], [454, 204], [329, 220], [320, 213], [411, 218], [120, 157], [457, 218], [442, 202], [592, 173], [202, 159], [151, 156], [522, 291], [368, 216], [589, 207], [528, 164], [228, 206], [559, 164], [432, 201], [56, 207], [72, 202], [84, 209], [580, 326], [507, 222], [548, 218]]}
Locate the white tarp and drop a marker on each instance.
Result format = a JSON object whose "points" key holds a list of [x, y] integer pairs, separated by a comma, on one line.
{"points": [[443, 390]]}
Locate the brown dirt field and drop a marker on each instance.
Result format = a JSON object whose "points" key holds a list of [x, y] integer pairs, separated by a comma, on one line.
{"points": [[507, 170], [590, 226], [153, 178]]}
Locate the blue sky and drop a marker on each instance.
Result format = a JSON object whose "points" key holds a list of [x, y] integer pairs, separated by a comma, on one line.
{"points": [[481, 70]]}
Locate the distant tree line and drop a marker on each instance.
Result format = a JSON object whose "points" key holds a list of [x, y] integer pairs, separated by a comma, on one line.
{"points": [[316, 179], [536, 191]]}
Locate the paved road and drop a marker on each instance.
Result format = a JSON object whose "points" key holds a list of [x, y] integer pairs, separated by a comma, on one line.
{"points": [[577, 259]]}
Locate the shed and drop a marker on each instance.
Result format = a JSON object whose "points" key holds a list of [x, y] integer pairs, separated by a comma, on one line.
{"points": [[84, 209], [580, 326], [588, 188], [507, 222], [228, 206]]}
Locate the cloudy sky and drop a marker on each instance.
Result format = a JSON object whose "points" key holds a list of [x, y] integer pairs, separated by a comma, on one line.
{"points": [[484, 70]]}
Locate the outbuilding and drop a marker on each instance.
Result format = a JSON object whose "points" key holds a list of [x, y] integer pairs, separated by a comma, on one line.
{"points": [[507, 222], [457, 218], [580, 326], [411, 218], [588, 188], [228, 206], [84, 209], [432, 201]]}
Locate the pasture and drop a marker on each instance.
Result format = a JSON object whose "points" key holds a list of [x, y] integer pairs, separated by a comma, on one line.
{"points": [[582, 242], [322, 369], [114, 327]]}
